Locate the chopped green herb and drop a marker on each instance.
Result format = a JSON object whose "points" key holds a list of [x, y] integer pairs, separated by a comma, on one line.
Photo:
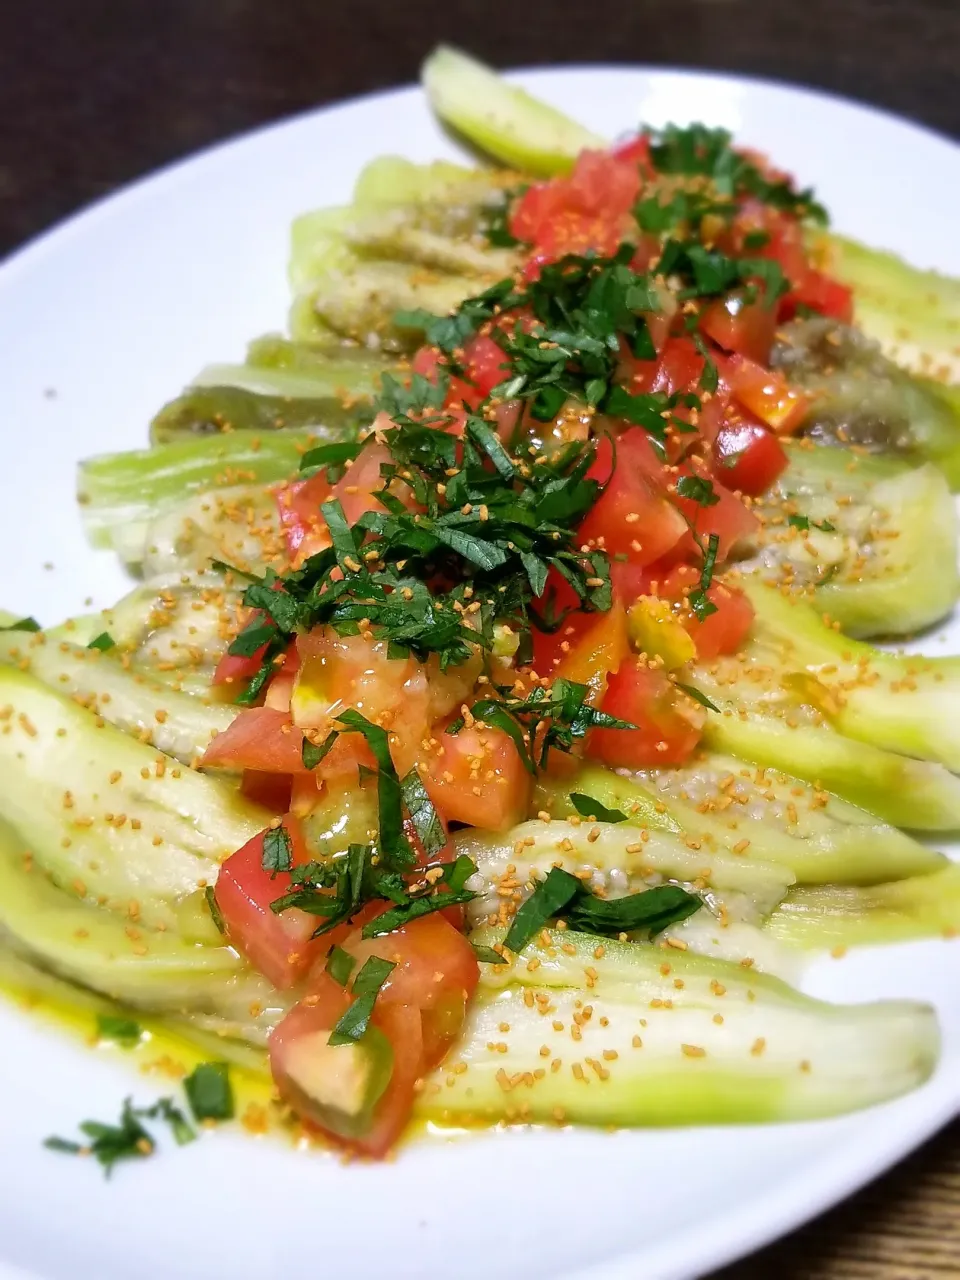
{"points": [[422, 813], [125, 1031], [277, 850], [487, 955], [311, 753], [366, 987], [651, 910], [166, 1109], [587, 807], [698, 489], [209, 1091], [110, 1143], [340, 964], [548, 899], [23, 624], [697, 696], [805, 523], [213, 907], [103, 642]]}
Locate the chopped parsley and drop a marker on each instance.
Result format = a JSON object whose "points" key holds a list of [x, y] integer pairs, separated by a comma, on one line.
{"points": [[213, 907], [560, 895], [209, 1091], [366, 987], [697, 150], [124, 1031], [109, 1144], [23, 624], [804, 523], [592, 809], [277, 850], [103, 642]]}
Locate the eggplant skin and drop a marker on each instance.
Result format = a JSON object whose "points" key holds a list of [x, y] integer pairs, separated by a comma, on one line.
{"points": [[861, 397]]}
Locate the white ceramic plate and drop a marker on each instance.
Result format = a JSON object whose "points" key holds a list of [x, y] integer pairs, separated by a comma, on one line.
{"points": [[100, 322]]}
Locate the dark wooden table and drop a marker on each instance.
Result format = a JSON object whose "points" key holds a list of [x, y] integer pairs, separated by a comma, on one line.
{"points": [[94, 93]]}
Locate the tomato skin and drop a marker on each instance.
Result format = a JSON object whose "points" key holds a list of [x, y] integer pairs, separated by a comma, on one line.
{"points": [[298, 505], [633, 516], [669, 725], [766, 394], [748, 457], [259, 738], [319, 1013], [599, 649], [745, 328], [484, 361], [232, 668], [279, 946], [824, 294], [728, 518], [630, 581], [436, 972], [634, 151], [476, 776], [723, 631], [586, 211]]}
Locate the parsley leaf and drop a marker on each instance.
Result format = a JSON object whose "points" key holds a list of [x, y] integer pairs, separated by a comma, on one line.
{"points": [[23, 624], [340, 965], [213, 907], [548, 899], [487, 955], [209, 1091], [277, 850], [423, 815], [804, 523], [311, 753], [366, 987], [697, 696], [125, 1031], [698, 489], [587, 807]]}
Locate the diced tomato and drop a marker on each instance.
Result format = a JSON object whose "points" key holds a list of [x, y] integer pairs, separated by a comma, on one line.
{"points": [[361, 480], [272, 790], [484, 361], [233, 669], [586, 211], [723, 631], [633, 515], [339, 672], [596, 652], [259, 738], [634, 150], [766, 393], [824, 294], [748, 457], [436, 972], [298, 504], [728, 518], [742, 327], [669, 724], [278, 945], [785, 240], [477, 777], [428, 361], [630, 581], [383, 1068]]}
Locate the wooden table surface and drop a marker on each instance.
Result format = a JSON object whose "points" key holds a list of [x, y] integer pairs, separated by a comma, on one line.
{"points": [[94, 93]]}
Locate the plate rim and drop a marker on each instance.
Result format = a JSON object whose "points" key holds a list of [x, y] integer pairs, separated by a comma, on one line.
{"points": [[755, 1223]]}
